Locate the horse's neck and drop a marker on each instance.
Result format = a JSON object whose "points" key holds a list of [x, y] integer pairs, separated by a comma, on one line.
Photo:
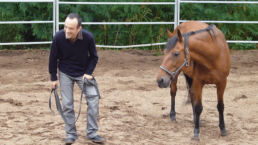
{"points": [[202, 50]]}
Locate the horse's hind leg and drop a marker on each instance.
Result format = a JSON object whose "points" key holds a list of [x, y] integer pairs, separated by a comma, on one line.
{"points": [[189, 82], [196, 92], [220, 92]]}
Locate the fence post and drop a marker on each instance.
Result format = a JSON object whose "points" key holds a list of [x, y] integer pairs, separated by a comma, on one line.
{"points": [[54, 17], [57, 15], [178, 16], [175, 14]]}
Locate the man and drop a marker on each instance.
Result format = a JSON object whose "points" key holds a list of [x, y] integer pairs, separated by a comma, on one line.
{"points": [[74, 52]]}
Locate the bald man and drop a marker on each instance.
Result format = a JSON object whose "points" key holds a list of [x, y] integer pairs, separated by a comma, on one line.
{"points": [[74, 53]]}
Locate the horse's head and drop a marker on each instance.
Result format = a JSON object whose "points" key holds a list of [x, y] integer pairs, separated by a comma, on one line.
{"points": [[174, 55]]}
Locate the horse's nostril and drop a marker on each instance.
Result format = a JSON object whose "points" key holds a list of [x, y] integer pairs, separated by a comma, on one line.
{"points": [[161, 80]]}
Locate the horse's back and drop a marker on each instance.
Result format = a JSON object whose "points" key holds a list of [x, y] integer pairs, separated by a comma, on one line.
{"points": [[190, 26]]}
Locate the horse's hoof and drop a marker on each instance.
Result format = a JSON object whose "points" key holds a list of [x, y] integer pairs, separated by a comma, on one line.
{"points": [[173, 120], [225, 133], [195, 138]]}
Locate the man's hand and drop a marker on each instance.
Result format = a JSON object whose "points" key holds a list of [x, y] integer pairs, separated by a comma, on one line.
{"points": [[87, 76], [54, 83]]}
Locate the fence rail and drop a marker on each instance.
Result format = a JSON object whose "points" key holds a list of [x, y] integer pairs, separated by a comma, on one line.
{"points": [[119, 3], [122, 23], [27, 43], [222, 2], [229, 22], [176, 22], [26, 1], [130, 46], [25, 22]]}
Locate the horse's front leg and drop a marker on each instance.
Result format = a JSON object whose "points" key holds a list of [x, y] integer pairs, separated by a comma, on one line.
{"points": [[220, 93], [196, 92], [173, 89]]}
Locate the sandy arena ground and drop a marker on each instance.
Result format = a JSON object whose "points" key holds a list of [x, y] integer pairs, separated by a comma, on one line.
{"points": [[133, 109]]}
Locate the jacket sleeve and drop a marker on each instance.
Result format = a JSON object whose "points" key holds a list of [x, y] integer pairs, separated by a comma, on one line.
{"points": [[53, 60], [93, 57]]}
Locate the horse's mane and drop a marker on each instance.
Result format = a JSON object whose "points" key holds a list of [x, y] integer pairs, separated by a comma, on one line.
{"points": [[172, 41]]}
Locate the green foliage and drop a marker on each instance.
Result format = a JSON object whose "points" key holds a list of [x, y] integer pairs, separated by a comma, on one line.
{"points": [[125, 34], [24, 11], [227, 12]]}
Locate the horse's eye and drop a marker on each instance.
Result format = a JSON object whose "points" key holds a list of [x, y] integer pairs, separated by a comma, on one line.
{"points": [[176, 54]]}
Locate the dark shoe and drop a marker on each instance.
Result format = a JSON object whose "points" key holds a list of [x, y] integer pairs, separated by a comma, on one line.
{"points": [[96, 138], [69, 141]]}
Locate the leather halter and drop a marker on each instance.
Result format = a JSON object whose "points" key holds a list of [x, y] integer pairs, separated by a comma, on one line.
{"points": [[186, 63]]}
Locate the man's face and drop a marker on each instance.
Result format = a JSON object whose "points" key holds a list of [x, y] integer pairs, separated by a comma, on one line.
{"points": [[70, 28]]}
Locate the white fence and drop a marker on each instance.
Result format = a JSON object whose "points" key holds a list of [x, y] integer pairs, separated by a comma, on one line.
{"points": [[30, 22], [177, 21]]}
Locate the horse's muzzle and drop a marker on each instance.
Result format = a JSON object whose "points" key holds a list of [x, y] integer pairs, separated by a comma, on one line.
{"points": [[163, 82]]}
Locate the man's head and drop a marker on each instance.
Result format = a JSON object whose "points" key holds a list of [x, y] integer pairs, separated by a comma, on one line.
{"points": [[72, 26]]}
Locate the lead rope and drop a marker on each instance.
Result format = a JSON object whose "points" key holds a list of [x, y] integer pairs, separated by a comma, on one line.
{"points": [[58, 104]]}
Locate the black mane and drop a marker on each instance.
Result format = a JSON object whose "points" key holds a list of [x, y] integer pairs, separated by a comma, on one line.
{"points": [[171, 43]]}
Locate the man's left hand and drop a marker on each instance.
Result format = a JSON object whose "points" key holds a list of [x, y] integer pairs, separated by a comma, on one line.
{"points": [[87, 76]]}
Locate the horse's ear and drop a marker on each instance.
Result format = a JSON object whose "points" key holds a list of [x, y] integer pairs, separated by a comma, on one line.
{"points": [[169, 34], [179, 35]]}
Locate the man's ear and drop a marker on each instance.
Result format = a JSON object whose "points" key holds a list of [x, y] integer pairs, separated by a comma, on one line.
{"points": [[79, 29], [179, 35]]}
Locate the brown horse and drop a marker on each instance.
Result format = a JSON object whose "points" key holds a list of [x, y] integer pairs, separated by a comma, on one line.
{"points": [[201, 52]]}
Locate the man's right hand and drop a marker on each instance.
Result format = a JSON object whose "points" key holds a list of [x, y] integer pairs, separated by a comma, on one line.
{"points": [[53, 85]]}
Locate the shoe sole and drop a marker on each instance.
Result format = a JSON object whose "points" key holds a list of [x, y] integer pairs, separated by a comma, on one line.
{"points": [[69, 143], [96, 140]]}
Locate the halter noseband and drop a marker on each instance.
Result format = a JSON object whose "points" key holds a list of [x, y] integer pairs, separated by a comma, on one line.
{"points": [[186, 63]]}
